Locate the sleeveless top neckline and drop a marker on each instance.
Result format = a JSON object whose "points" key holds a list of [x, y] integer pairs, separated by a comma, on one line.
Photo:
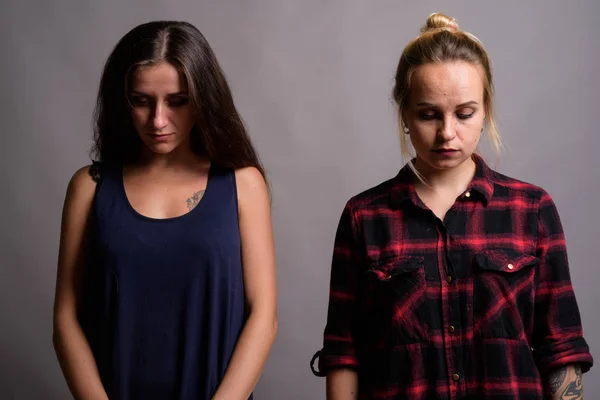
{"points": [[205, 199]]}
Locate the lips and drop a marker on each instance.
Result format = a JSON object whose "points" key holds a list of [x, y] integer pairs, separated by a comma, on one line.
{"points": [[163, 137]]}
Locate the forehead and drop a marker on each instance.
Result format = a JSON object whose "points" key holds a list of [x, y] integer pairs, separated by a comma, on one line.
{"points": [[162, 77], [458, 81]]}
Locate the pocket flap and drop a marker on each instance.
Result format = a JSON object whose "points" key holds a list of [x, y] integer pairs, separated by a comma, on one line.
{"points": [[505, 261], [389, 268]]}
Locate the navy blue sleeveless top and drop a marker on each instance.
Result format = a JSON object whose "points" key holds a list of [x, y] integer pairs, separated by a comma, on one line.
{"points": [[163, 299]]}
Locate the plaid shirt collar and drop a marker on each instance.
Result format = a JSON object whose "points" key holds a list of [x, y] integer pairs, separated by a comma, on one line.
{"points": [[403, 188]]}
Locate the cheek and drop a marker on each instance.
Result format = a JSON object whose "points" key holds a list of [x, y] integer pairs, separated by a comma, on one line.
{"points": [[185, 119], [422, 134], [471, 135], [139, 116]]}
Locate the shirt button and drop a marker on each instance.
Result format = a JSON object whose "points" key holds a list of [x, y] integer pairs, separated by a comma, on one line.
{"points": [[451, 328], [510, 266], [448, 279], [468, 194], [455, 377]]}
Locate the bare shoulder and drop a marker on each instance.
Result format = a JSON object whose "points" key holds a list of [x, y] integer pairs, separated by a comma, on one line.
{"points": [[251, 185], [81, 186], [76, 209], [249, 179]]}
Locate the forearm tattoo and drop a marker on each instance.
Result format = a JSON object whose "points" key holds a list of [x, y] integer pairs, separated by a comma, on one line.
{"points": [[575, 388], [566, 388], [557, 378]]}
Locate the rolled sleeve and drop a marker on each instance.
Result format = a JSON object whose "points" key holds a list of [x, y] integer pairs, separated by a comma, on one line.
{"points": [[339, 347], [558, 333]]}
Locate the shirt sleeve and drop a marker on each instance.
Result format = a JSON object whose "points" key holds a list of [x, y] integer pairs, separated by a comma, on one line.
{"points": [[558, 333], [339, 340]]}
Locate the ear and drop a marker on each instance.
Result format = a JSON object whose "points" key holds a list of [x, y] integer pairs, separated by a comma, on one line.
{"points": [[402, 118], [401, 123]]}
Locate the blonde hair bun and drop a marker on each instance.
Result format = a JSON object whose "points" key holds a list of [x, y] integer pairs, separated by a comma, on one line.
{"points": [[439, 21]]}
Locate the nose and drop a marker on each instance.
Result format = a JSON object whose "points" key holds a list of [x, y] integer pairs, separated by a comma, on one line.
{"points": [[160, 118], [447, 131]]}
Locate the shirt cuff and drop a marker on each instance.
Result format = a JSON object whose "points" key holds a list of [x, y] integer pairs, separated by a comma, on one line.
{"points": [[328, 362], [559, 354]]}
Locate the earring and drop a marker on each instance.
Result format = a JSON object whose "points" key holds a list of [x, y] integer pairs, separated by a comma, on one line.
{"points": [[405, 128], [482, 129]]}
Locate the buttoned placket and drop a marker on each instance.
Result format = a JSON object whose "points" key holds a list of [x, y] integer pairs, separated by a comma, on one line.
{"points": [[451, 309]]}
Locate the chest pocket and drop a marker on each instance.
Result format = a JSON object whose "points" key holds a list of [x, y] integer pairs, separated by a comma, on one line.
{"points": [[504, 287], [396, 308]]}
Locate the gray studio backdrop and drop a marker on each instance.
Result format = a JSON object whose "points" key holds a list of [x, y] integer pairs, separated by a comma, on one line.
{"points": [[312, 80]]}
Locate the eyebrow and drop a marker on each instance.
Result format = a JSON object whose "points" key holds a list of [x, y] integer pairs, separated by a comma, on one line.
{"points": [[182, 93], [468, 103]]}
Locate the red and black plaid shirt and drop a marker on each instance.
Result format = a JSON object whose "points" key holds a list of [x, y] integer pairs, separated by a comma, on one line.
{"points": [[479, 306]]}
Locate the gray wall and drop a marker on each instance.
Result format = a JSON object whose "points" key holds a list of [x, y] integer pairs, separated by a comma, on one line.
{"points": [[312, 80]]}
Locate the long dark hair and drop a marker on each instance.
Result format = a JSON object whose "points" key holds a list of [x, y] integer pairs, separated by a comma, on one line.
{"points": [[219, 132]]}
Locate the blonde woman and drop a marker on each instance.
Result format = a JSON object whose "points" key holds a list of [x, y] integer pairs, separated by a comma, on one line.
{"points": [[450, 280]]}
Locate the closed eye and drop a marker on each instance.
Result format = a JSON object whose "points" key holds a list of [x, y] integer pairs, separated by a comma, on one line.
{"points": [[178, 101], [428, 115], [465, 116], [138, 101]]}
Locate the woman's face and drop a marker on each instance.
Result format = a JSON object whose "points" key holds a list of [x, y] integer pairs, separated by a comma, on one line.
{"points": [[160, 108], [445, 113]]}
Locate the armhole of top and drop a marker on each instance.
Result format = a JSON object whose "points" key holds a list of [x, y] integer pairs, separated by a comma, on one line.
{"points": [[235, 192], [95, 171]]}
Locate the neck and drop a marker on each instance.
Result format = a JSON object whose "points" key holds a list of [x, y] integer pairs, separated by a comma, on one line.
{"points": [[178, 159], [456, 179]]}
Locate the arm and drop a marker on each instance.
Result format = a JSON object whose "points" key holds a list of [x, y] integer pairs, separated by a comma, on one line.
{"points": [[258, 261], [342, 384], [72, 349], [560, 351], [566, 383], [338, 360]]}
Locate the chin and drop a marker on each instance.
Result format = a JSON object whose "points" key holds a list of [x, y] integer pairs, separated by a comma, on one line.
{"points": [[161, 148], [445, 164]]}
